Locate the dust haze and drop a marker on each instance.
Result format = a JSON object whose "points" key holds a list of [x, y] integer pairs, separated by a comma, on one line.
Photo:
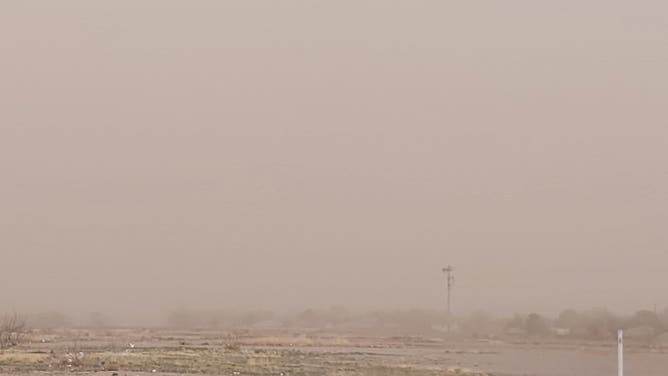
{"points": [[157, 155]]}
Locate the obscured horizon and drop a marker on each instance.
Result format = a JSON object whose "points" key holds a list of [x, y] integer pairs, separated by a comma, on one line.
{"points": [[287, 155]]}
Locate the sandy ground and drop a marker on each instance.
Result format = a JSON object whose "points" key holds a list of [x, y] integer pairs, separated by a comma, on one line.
{"points": [[164, 352]]}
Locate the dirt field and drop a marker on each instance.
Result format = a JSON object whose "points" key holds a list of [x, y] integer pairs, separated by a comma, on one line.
{"points": [[162, 352], [165, 352]]}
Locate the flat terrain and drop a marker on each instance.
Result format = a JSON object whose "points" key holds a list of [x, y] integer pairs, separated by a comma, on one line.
{"points": [[167, 352]]}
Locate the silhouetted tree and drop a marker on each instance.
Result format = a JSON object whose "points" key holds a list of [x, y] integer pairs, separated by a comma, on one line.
{"points": [[569, 319], [12, 330], [646, 318], [536, 325], [601, 324]]}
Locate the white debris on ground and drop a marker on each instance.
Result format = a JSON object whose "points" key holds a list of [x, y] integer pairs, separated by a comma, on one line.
{"points": [[73, 359]]}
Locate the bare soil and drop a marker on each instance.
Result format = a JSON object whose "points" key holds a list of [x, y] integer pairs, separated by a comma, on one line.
{"points": [[156, 352]]}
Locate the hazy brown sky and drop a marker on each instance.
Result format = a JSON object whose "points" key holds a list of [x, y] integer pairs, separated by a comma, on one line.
{"points": [[287, 154]]}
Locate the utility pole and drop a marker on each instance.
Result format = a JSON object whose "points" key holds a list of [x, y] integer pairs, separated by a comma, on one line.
{"points": [[620, 353], [450, 278]]}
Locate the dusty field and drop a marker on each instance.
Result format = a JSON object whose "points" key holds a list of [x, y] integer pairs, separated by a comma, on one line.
{"points": [[163, 352]]}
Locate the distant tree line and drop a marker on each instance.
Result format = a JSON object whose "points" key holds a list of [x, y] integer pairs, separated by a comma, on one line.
{"points": [[570, 323], [591, 324]]}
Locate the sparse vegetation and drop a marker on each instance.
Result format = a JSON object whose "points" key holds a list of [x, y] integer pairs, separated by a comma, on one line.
{"points": [[13, 330], [213, 353], [597, 324], [313, 342]]}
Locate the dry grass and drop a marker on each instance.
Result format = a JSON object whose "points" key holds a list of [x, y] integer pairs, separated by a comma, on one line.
{"points": [[300, 341], [79, 352]]}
